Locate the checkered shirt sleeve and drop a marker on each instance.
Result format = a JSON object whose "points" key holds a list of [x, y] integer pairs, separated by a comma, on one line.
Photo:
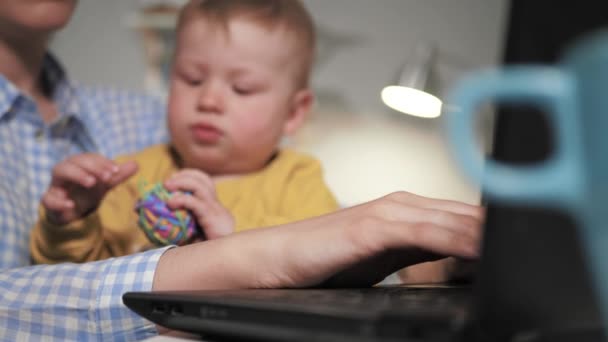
{"points": [[67, 302], [76, 302]]}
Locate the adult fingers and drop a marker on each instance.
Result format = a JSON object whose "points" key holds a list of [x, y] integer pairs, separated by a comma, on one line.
{"points": [[389, 209], [462, 224], [437, 204], [429, 237], [385, 224]]}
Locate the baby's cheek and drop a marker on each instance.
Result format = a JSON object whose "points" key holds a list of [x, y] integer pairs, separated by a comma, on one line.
{"points": [[258, 125], [177, 120]]}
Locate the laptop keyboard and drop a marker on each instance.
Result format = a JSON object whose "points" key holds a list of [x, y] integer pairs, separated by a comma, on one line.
{"points": [[400, 297]]}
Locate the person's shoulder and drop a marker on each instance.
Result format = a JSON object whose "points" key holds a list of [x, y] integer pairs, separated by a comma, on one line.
{"points": [[116, 100], [106, 93]]}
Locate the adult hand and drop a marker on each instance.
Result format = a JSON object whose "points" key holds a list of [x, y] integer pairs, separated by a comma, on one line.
{"points": [[79, 183], [213, 218], [453, 270], [357, 246]]}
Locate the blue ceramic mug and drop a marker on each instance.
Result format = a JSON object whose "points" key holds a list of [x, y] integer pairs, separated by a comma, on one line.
{"points": [[574, 94]]}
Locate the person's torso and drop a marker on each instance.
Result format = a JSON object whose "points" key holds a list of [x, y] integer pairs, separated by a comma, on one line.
{"points": [[89, 120]]}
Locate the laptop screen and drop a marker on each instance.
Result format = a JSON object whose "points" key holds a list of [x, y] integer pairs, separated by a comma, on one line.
{"points": [[535, 276]]}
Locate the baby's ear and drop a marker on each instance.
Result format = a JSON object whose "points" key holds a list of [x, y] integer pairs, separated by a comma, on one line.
{"points": [[301, 103]]}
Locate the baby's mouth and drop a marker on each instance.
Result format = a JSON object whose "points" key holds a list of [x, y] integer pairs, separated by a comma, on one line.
{"points": [[206, 133]]}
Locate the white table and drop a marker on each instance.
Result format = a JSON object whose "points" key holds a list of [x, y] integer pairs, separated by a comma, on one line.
{"points": [[168, 338]]}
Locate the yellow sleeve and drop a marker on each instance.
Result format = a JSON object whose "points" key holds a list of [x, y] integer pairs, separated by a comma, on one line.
{"points": [[300, 193], [112, 229], [107, 232], [51, 244]]}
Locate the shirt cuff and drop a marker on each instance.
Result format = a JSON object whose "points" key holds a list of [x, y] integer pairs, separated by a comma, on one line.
{"points": [[131, 273]]}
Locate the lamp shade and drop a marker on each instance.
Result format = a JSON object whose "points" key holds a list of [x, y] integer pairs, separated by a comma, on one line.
{"points": [[412, 94]]}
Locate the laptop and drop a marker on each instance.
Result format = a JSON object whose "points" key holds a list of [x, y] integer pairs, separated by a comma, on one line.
{"points": [[531, 285]]}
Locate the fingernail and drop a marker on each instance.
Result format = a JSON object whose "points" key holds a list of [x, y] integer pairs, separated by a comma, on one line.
{"points": [[107, 175], [89, 181]]}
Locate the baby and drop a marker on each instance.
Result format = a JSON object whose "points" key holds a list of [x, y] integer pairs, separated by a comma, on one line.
{"points": [[239, 84]]}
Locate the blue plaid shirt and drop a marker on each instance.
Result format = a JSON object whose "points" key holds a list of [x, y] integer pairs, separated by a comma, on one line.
{"points": [[76, 302], [102, 120], [73, 302]]}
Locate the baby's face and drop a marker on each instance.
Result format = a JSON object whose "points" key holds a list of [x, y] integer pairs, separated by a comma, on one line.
{"points": [[233, 95]]}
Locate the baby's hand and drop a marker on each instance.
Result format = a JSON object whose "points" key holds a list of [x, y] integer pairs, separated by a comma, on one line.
{"points": [[79, 184], [213, 218]]}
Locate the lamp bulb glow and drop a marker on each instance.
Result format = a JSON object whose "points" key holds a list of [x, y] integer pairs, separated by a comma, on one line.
{"points": [[411, 101]]}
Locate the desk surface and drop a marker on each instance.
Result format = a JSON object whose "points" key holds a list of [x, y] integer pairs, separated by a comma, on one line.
{"points": [[166, 338]]}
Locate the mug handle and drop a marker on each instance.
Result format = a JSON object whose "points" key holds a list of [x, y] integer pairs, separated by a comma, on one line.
{"points": [[556, 181]]}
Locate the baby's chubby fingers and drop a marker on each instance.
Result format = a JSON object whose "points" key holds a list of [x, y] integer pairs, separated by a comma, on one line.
{"points": [[55, 199], [96, 164], [194, 205], [211, 217], [68, 172], [188, 202], [59, 208], [193, 181], [122, 172], [84, 169], [194, 174]]}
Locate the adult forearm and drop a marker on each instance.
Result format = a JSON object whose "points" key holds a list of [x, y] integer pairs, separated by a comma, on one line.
{"points": [[355, 247], [224, 263]]}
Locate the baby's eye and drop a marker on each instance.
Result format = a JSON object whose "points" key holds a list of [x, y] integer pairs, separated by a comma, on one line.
{"points": [[192, 81], [243, 90]]}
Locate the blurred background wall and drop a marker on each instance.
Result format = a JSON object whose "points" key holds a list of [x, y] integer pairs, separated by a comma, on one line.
{"points": [[367, 149]]}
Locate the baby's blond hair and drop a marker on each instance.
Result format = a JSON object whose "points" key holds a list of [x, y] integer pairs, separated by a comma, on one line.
{"points": [[290, 15]]}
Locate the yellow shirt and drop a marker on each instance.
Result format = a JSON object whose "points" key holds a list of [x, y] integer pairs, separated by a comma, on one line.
{"points": [[290, 188]]}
